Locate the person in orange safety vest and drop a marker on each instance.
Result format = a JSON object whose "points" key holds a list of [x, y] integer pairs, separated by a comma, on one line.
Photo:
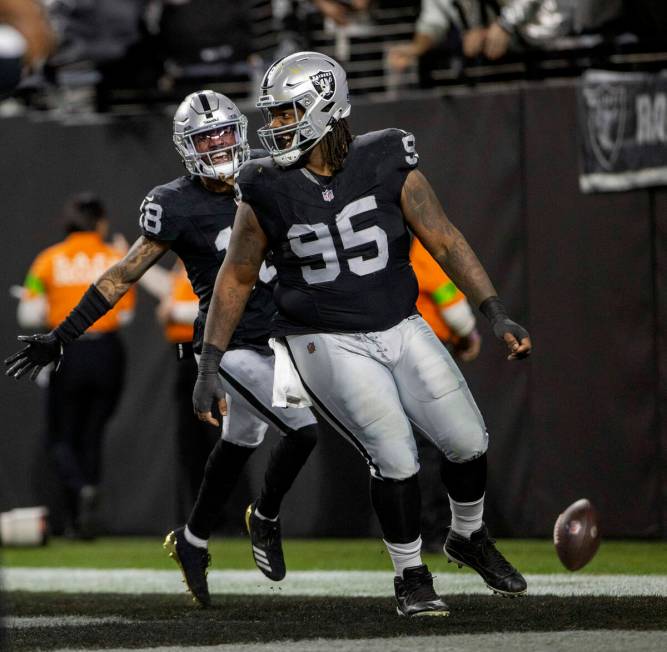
{"points": [[81, 400]]}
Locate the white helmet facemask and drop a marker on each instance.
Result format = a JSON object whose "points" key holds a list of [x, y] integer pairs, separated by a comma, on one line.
{"points": [[206, 115]]}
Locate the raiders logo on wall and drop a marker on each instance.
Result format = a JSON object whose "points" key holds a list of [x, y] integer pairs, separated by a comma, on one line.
{"points": [[324, 83]]}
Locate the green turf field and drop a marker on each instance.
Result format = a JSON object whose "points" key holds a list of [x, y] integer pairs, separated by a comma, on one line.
{"points": [[273, 618], [530, 555]]}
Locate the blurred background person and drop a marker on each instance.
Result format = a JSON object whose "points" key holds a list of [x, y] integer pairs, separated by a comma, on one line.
{"points": [[490, 30], [449, 314], [176, 313], [80, 399], [26, 40]]}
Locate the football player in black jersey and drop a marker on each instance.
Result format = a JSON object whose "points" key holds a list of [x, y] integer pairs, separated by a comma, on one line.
{"points": [[193, 216], [335, 211]]}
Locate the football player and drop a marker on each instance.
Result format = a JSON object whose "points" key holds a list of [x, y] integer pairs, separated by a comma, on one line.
{"points": [[193, 216], [335, 210]]}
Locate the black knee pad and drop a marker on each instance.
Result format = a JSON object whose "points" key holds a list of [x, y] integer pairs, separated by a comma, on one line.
{"points": [[397, 504], [465, 481]]}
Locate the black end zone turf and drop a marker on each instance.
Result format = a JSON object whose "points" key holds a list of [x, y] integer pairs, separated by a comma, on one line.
{"points": [[171, 620]]}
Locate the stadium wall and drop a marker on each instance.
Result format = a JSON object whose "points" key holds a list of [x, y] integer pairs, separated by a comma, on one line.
{"points": [[586, 273]]}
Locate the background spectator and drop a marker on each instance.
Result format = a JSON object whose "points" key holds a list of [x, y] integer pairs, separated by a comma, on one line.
{"points": [[80, 399], [26, 40], [177, 312]]}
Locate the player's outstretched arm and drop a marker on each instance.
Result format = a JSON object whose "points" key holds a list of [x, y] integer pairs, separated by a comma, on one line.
{"points": [[42, 349], [427, 220], [121, 276], [235, 280]]}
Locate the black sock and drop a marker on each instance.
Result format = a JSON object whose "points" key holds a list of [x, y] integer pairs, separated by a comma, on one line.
{"points": [[222, 471], [466, 481], [397, 504], [287, 459]]}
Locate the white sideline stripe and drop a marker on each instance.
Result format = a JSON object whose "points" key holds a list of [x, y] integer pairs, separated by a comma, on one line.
{"points": [[27, 622], [570, 641], [312, 583]]}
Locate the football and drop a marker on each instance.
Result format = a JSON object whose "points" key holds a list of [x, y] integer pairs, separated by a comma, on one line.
{"points": [[577, 535]]}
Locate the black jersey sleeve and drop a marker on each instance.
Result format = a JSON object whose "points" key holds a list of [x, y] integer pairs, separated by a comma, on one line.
{"points": [[399, 151], [157, 219], [253, 186]]}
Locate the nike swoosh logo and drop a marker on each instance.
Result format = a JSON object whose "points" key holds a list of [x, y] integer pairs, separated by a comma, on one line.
{"points": [[294, 84]]}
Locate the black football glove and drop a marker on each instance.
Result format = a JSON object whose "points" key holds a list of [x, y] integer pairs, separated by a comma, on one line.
{"points": [[42, 349], [207, 392], [208, 389], [494, 310]]}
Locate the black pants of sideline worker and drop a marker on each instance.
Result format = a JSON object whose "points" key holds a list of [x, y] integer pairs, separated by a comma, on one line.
{"points": [[82, 397]]}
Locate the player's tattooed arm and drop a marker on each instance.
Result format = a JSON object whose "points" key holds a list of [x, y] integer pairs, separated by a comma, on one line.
{"points": [[427, 220], [119, 278], [236, 278], [444, 242]]}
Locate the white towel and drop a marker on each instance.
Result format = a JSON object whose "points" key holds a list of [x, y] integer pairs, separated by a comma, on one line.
{"points": [[288, 390]]}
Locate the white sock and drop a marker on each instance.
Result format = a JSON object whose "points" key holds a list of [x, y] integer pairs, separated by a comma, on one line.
{"points": [[466, 517], [194, 540], [405, 555], [264, 518]]}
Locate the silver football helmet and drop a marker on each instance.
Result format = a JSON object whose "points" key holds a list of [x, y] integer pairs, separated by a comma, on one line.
{"points": [[312, 84], [206, 115]]}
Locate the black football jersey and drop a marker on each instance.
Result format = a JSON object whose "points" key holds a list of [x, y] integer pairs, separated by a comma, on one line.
{"points": [[340, 245], [197, 223]]}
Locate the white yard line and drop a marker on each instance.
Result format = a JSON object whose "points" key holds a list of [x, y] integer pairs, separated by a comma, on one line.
{"points": [[312, 583], [575, 641], [28, 622]]}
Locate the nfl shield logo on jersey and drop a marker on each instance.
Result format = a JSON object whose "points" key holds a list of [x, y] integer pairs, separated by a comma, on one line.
{"points": [[327, 194], [324, 83]]}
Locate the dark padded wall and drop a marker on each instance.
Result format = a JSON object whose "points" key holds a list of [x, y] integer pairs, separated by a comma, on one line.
{"points": [[580, 418], [590, 278]]}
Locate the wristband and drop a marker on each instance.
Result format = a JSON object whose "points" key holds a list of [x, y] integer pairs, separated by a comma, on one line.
{"points": [[92, 306], [492, 308], [209, 362]]}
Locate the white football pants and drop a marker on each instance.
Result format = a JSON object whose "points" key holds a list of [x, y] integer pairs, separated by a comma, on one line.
{"points": [[247, 377], [374, 387]]}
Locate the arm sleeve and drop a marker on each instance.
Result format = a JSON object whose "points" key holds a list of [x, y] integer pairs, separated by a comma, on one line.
{"points": [[38, 277]]}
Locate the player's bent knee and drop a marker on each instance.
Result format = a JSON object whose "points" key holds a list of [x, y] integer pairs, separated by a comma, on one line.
{"points": [[398, 470], [469, 447]]}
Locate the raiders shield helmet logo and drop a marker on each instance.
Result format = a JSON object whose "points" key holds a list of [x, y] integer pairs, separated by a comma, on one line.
{"points": [[606, 105], [324, 83]]}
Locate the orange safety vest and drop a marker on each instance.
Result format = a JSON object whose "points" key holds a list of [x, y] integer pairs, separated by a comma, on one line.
{"points": [[62, 273], [436, 290], [181, 291]]}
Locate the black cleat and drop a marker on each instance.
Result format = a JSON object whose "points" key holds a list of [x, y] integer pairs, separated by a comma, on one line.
{"points": [[267, 546], [193, 562], [481, 554], [415, 595]]}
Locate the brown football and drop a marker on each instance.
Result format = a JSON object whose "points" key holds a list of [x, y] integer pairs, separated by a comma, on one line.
{"points": [[577, 535]]}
